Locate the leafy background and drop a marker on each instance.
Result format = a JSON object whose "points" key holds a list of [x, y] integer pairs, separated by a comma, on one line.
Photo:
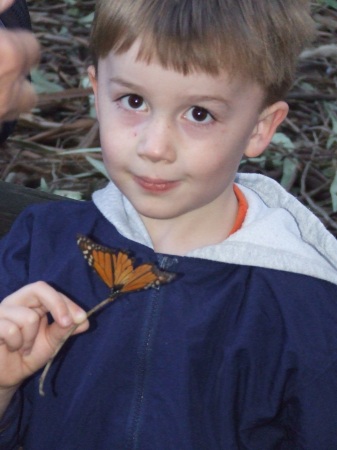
{"points": [[56, 147]]}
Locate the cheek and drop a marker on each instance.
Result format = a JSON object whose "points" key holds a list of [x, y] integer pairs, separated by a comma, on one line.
{"points": [[117, 126], [217, 166], [213, 177], [111, 145]]}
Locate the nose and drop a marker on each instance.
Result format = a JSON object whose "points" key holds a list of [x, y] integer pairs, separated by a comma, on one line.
{"points": [[157, 141]]}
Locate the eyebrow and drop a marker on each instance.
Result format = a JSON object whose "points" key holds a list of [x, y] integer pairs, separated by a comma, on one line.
{"points": [[209, 98], [124, 83], [195, 99]]}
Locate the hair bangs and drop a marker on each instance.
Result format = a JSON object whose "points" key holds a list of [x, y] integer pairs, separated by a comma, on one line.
{"points": [[176, 34], [259, 41]]}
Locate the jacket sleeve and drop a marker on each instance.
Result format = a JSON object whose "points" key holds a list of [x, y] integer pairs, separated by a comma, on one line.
{"points": [[312, 394], [314, 421], [314, 331], [14, 273], [10, 424], [291, 382]]}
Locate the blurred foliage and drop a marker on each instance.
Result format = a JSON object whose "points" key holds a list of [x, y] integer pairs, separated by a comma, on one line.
{"points": [[329, 3]]}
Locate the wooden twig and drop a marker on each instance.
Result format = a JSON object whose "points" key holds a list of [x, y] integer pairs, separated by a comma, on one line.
{"points": [[92, 311], [66, 94]]}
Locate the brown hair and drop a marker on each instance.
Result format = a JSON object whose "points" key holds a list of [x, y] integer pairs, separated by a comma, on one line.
{"points": [[257, 39]]}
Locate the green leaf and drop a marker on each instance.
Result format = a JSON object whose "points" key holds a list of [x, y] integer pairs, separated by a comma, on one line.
{"points": [[330, 109], [283, 140], [79, 151], [98, 165], [43, 185], [75, 195], [85, 83], [42, 84], [333, 193], [74, 12], [331, 3], [87, 20], [289, 173]]}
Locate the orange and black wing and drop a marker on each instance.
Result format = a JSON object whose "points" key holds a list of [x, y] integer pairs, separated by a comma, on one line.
{"points": [[115, 267], [100, 258], [146, 276]]}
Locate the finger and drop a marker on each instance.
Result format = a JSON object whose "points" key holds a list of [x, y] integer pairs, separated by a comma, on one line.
{"points": [[22, 99], [36, 342], [44, 298], [28, 97], [28, 322], [5, 4], [10, 335], [20, 50], [57, 335]]}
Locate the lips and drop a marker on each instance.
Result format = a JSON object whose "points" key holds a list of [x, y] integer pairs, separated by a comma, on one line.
{"points": [[155, 185]]}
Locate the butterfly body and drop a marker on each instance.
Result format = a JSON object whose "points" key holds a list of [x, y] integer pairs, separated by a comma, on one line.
{"points": [[116, 268]]}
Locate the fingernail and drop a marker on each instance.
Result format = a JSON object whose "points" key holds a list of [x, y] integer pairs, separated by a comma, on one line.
{"points": [[80, 317]]}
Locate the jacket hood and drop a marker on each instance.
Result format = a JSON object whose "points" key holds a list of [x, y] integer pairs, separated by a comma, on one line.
{"points": [[278, 231]]}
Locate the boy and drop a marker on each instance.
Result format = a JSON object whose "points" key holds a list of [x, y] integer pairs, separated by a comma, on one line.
{"points": [[240, 350]]}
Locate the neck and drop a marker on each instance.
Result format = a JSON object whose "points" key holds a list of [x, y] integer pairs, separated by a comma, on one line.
{"points": [[181, 235]]}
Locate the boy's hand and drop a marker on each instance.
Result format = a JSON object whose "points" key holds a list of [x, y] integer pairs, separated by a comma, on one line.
{"points": [[19, 52], [27, 341]]}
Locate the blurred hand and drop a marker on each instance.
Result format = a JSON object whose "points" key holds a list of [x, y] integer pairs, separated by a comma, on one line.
{"points": [[19, 52]]}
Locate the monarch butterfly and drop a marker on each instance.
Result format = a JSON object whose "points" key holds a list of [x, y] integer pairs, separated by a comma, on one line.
{"points": [[115, 267]]}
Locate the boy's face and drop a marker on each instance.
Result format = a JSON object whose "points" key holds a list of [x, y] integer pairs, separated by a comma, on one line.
{"points": [[172, 143]]}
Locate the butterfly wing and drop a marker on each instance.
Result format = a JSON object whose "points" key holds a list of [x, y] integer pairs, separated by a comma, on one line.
{"points": [[146, 276], [115, 268], [123, 269], [99, 258]]}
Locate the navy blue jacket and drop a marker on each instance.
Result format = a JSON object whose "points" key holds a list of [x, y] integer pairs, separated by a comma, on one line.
{"points": [[228, 356]]}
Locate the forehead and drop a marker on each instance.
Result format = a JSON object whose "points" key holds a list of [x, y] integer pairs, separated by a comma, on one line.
{"points": [[128, 70], [134, 58]]}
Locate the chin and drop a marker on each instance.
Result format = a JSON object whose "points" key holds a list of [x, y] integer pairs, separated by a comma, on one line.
{"points": [[160, 212], [155, 215]]}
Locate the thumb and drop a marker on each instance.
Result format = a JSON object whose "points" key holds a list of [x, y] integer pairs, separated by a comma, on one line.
{"points": [[57, 334]]}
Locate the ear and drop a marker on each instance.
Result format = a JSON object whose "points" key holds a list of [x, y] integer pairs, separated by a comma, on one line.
{"points": [[270, 118], [93, 81]]}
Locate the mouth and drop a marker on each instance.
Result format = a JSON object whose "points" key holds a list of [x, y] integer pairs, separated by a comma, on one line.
{"points": [[155, 184]]}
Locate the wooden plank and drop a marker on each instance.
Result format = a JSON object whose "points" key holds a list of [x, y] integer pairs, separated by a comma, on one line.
{"points": [[14, 198]]}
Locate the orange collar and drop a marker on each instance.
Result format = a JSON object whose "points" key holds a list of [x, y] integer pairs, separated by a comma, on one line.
{"points": [[242, 209]]}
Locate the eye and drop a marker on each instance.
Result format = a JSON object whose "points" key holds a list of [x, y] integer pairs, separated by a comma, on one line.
{"points": [[133, 101], [199, 114]]}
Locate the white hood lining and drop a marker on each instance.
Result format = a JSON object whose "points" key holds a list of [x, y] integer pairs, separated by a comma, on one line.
{"points": [[278, 231]]}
